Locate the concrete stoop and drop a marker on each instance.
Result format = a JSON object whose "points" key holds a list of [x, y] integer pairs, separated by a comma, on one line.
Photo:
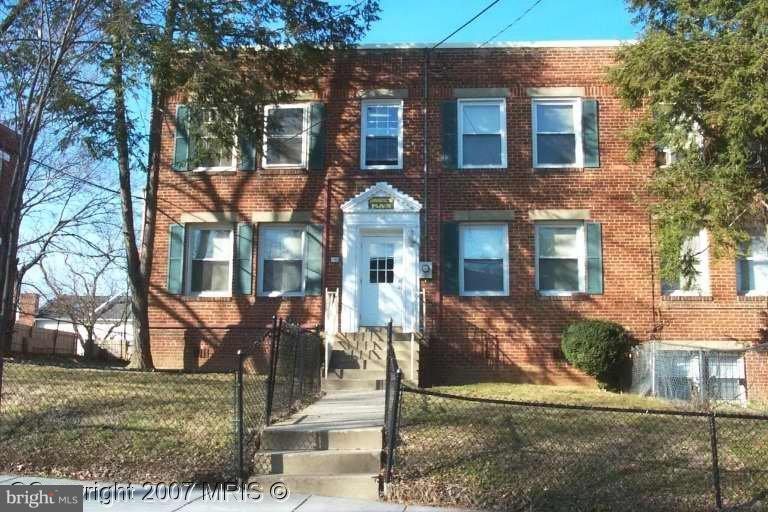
{"points": [[331, 448]]}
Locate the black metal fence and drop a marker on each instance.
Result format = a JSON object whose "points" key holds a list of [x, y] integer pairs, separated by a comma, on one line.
{"points": [[539, 456], [393, 385], [74, 419]]}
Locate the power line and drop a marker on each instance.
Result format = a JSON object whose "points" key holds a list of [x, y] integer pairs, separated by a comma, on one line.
{"points": [[465, 24], [497, 34]]}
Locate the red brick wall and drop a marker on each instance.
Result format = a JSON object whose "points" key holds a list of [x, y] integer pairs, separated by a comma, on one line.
{"points": [[8, 144], [475, 338]]}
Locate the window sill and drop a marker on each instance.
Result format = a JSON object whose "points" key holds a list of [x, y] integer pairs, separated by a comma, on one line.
{"points": [[207, 298], [687, 298], [752, 297], [398, 168], [481, 168], [283, 171], [562, 296], [568, 168]]}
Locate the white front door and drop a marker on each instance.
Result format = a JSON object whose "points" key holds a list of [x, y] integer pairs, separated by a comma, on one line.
{"points": [[381, 278]]}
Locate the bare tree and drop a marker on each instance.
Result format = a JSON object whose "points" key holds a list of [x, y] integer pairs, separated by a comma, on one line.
{"points": [[85, 285], [45, 61]]}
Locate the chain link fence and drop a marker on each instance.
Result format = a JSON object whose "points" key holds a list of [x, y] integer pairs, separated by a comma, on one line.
{"points": [[74, 419], [510, 455]]}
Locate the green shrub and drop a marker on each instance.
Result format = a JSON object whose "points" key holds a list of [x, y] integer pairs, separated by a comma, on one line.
{"points": [[598, 348]]}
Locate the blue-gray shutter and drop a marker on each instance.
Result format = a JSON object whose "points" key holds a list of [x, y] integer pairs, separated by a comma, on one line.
{"points": [[449, 254], [247, 149], [744, 276], [313, 278], [316, 136], [244, 262], [450, 137], [590, 139], [176, 258], [594, 258], [181, 142]]}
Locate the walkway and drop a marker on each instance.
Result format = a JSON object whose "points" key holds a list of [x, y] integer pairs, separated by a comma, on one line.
{"points": [[198, 502]]}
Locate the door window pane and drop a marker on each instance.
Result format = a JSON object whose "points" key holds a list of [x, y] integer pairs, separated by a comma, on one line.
{"points": [[382, 270]]}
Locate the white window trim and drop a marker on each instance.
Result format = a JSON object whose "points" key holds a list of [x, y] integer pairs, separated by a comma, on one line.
{"points": [[221, 168], [502, 104], [703, 277], [581, 240], [260, 278], [579, 153], [758, 259], [364, 133], [304, 137], [505, 228], [188, 259]]}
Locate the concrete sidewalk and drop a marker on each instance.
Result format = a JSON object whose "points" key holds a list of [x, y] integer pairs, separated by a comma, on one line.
{"points": [[145, 499]]}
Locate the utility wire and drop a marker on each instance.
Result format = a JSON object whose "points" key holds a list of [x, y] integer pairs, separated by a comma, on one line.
{"points": [[497, 34], [465, 24]]}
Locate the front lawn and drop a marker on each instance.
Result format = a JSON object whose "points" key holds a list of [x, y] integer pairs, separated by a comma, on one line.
{"points": [[114, 424], [489, 455]]}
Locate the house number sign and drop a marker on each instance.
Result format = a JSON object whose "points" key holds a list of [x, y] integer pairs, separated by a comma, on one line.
{"points": [[381, 203]]}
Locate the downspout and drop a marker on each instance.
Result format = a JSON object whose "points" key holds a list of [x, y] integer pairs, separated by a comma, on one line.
{"points": [[425, 131]]}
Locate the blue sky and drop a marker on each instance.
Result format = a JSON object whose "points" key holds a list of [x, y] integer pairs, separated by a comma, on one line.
{"points": [[431, 20]]}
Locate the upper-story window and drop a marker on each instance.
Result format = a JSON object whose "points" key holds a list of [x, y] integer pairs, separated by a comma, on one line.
{"points": [[752, 266], [209, 264], [697, 284], [211, 153], [286, 136], [382, 134], [482, 133], [557, 132]]}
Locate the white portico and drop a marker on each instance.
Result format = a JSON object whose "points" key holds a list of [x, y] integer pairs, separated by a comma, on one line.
{"points": [[380, 255]]}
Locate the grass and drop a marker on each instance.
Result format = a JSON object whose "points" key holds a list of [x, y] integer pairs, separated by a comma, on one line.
{"points": [[119, 425], [456, 452]]}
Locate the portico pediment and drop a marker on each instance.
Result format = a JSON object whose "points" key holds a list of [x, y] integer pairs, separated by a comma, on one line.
{"points": [[381, 198]]}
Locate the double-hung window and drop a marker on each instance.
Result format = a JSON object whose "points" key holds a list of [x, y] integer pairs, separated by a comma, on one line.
{"points": [[211, 153], [560, 258], [557, 133], [482, 133], [752, 267], [697, 284], [484, 254], [286, 135], [209, 264], [382, 134], [281, 260]]}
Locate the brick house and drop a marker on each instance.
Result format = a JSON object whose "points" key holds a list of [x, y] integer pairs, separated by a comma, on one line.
{"points": [[526, 206], [8, 150]]}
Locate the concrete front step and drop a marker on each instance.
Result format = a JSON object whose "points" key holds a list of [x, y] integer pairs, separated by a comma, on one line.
{"points": [[322, 462], [356, 373], [274, 439], [361, 486], [337, 384]]}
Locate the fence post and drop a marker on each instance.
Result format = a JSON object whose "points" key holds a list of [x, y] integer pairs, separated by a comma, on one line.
{"points": [[387, 375], [392, 425], [272, 369], [239, 419], [715, 464]]}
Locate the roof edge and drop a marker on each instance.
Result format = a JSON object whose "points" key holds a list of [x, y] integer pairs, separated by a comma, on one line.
{"points": [[583, 43]]}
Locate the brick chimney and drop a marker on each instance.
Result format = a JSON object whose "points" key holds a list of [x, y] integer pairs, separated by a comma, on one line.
{"points": [[29, 303]]}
